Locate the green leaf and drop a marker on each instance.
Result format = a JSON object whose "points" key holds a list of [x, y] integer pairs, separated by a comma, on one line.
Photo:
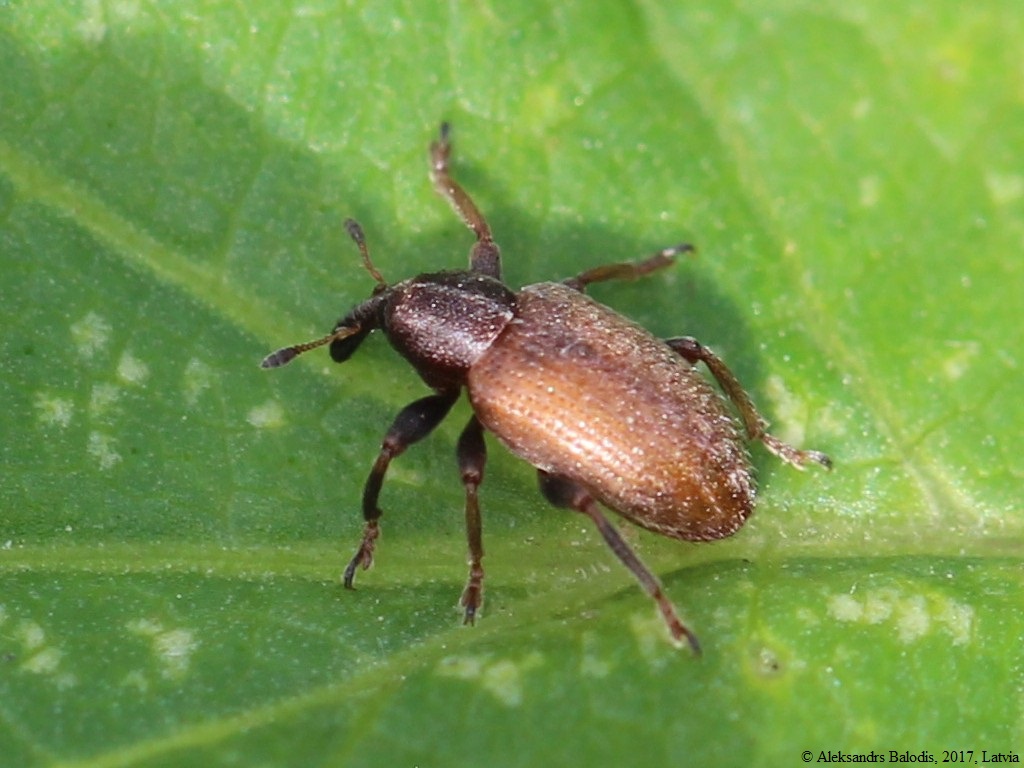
{"points": [[173, 179]]}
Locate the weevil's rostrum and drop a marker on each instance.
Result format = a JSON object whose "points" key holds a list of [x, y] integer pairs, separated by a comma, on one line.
{"points": [[606, 412]]}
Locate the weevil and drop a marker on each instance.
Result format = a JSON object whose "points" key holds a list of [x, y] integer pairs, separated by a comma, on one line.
{"points": [[607, 413]]}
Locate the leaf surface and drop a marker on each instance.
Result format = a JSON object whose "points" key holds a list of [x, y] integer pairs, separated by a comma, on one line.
{"points": [[173, 520]]}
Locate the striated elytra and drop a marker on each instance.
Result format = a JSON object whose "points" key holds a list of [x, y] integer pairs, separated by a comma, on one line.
{"points": [[606, 412]]}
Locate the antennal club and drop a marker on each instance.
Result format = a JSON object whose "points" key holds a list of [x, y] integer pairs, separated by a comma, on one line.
{"points": [[285, 355]]}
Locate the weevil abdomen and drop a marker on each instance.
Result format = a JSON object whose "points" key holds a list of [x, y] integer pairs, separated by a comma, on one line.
{"points": [[580, 391]]}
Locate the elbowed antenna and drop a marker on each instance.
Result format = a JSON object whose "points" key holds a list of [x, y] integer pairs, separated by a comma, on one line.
{"points": [[356, 233], [285, 355]]}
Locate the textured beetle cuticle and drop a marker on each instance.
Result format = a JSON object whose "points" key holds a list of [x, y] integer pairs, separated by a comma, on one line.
{"points": [[608, 414]]}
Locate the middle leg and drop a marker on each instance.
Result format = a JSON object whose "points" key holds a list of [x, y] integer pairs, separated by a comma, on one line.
{"points": [[472, 456]]}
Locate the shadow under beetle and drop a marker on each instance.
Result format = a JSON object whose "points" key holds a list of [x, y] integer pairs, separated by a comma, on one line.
{"points": [[605, 411]]}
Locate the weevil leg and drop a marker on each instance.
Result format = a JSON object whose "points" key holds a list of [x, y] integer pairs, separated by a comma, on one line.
{"points": [[755, 424], [563, 492], [413, 423], [629, 270], [485, 257], [472, 456]]}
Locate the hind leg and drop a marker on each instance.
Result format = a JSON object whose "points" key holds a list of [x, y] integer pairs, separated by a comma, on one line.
{"points": [[563, 492]]}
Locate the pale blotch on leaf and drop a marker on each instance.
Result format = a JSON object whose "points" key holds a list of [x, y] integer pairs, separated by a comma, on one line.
{"points": [[103, 398], [91, 30], [136, 681], [269, 415], [878, 605], [789, 410], [172, 648], [502, 679], [40, 657], [44, 662], [845, 608], [911, 616], [958, 361], [198, 378], [653, 643], [54, 411], [131, 370], [30, 635], [175, 647], [833, 419], [101, 448], [808, 617], [913, 620], [958, 618], [592, 664], [765, 662], [869, 189], [90, 335], [1004, 188], [861, 108]]}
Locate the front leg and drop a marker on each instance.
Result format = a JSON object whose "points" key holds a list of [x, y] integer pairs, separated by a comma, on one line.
{"points": [[413, 423], [485, 257]]}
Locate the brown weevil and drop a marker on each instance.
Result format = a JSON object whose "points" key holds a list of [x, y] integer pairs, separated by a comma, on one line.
{"points": [[606, 412]]}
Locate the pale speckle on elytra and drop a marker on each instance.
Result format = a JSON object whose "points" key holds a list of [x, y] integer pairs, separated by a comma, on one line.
{"points": [[503, 679], [269, 415], [90, 335], [53, 410], [172, 648], [911, 616]]}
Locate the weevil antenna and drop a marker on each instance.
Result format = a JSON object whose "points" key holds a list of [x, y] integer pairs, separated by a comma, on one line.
{"points": [[285, 355], [356, 233]]}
